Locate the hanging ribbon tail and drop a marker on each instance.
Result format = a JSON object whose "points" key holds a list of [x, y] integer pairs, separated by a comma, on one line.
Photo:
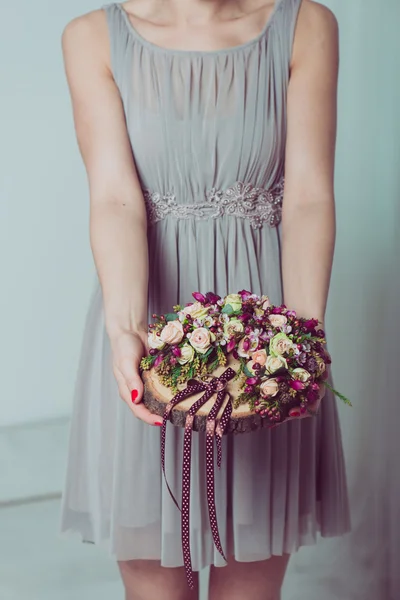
{"points": [[212, 514], [216, 384], [220, 430], [196, 387]]}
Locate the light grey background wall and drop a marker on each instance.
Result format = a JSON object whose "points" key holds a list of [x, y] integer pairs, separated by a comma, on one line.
{"points": [[45, 262]]}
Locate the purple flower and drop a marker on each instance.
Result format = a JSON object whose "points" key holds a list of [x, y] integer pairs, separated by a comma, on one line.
{"points": [[199, 297], [231, 344], [277, 310], [176, 351], [296, 385], [158, 360], [246, 344], [301, 359], [252, 380], [312, 365]]}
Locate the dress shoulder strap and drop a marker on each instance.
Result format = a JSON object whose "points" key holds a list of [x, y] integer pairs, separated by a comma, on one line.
{"points": [[119, 37], [287, 13]]}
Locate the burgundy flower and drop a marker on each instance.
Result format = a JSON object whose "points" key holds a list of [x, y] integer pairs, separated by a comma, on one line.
{"points": [[245, 316], [212, 298], [245, 294], [310, 324], [176, 351], [312, 395], [153, 351], [199, 297], [277, 310], [320, 333]]}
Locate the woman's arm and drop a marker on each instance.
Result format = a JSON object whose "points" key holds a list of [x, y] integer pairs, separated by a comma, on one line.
{"points": [[118, 224], [308, 219]]}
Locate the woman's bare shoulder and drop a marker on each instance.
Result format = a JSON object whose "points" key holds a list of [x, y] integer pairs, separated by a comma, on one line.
{"points": [[316, 25], [86, 33]]}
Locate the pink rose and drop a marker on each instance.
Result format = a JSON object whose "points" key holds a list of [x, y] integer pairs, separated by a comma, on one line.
{"points": [[172, 332], [200, 339], [260, 357], [277, 320], [269, 388]]}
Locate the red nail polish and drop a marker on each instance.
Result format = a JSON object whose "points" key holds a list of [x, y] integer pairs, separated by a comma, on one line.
{"points": [[134, 395], [159, 424]]}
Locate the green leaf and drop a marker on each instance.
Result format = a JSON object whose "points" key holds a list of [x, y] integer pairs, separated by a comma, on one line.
{"points": [[228, 309], [247, 372], [338, 394], [171, 316]]}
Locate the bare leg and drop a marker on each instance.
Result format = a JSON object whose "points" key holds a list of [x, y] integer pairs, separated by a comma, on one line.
{"points": [[260, 580], [148, 580]]}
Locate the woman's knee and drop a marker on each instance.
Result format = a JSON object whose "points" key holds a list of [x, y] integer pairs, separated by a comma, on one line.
{"points": [[260, 580], [147, 580]]}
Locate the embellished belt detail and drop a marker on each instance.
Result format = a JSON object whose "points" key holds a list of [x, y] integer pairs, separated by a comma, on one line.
{"points": [[242, 200], [215, 430]]}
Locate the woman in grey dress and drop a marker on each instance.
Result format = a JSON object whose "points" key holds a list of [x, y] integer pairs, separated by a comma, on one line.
{"points": [[176, 102]]}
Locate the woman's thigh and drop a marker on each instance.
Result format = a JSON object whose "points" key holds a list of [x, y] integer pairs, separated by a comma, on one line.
{"points": [[261, 580], [148, 580]]}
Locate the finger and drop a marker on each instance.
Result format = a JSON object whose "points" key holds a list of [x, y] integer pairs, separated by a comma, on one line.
{"points": [[130, 372], [139, 410]]}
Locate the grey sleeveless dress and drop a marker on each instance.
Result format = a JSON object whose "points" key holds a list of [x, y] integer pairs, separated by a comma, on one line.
{"points": [[203, 125]]}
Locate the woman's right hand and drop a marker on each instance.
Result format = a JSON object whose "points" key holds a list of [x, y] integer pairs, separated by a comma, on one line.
{"points": [[128, 348]]}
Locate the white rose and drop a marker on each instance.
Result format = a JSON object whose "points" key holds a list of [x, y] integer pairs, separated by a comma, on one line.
{"points": [[233, 326], [274, 363], [301, 374], [187, 354], [155, 341]]}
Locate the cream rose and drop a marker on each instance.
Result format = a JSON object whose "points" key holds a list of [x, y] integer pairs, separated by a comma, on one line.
{"points": [[200, 339], [155, 341], [265, 302], [269, 388], [259, 356], [233, 326], [321, 366], [196, 310], [277, 320], [172, 332], [274, 363], [301, 374], [235, 300], [187, 354], [280, 344]]}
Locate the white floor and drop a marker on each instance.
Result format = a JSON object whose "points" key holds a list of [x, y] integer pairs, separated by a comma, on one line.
{"points": [[37, 564]]}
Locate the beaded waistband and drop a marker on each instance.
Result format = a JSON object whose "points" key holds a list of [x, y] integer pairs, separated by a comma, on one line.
{"points": [[242, 200]]}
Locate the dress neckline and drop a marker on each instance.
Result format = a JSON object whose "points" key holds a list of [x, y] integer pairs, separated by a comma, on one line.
{"points": [[145, 42]]}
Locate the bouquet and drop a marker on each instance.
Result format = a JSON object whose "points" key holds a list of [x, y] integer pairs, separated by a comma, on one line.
{"points": [[265, 363]]}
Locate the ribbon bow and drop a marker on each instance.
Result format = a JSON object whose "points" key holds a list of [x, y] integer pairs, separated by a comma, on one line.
{"points": [[213, 429]]}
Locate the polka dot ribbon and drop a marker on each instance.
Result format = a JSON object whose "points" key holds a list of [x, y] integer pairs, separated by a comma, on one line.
{"points": [[214, 428]]}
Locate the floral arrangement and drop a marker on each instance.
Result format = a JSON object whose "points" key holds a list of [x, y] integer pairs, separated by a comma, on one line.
{"points": [[282, 357]]}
